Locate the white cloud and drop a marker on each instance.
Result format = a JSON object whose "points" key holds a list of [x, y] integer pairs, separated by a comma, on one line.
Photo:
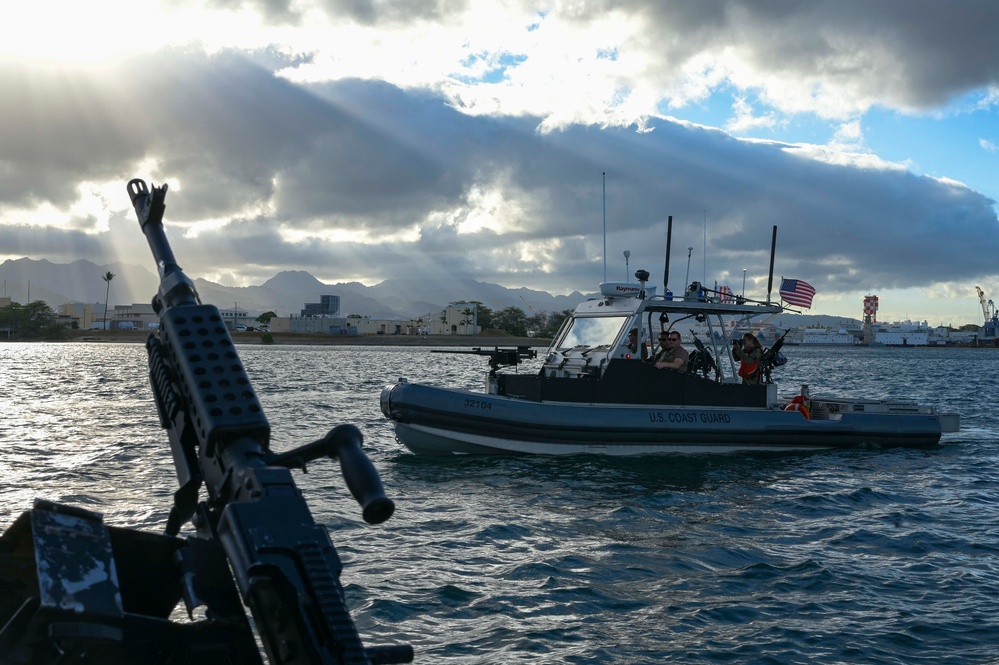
{"points": [[745, 121], [849, 138]]}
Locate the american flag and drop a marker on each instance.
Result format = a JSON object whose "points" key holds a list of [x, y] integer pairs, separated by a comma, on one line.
{"points": [[725, 295], [797, 292]]}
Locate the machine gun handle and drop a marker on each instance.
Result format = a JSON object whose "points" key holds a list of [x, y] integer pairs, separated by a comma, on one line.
{"points": [[360, 474], [343, 442]]}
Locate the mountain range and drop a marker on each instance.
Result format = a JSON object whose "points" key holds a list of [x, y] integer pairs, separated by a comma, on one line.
{"points": [[286, 293], [26, 280]]}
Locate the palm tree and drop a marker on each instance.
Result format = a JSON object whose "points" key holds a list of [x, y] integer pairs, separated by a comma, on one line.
{"points": [[468, 313], [107, 277]]}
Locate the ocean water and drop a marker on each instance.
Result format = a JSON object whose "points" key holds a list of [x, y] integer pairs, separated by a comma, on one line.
{"points": [[830, 557]]}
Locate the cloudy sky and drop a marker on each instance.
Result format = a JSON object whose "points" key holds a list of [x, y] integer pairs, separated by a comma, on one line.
{"points": [[362, 140]]}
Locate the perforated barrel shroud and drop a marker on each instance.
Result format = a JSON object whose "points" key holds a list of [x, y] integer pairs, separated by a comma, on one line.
{"points": [[223, 403]]}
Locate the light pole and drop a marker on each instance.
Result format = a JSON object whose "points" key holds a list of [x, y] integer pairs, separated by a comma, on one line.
{"points": [[743, 282], [627, 270]]}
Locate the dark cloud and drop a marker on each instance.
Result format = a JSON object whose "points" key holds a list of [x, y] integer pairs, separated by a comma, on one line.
{"points": [[60, 127], [393, 12], [365, 12], [366, 155], [843, 228], [57, 245], [914, 54], [280, 12]]}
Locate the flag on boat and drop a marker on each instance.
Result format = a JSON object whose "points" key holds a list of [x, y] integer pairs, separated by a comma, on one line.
{"points": [[797, 292], [725, 295]]}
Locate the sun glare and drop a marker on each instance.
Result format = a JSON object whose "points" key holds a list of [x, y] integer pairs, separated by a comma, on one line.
{"points": [[101, 30], [488, 210], [69, 31]]}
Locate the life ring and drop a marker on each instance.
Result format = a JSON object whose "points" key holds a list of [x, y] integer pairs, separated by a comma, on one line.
{"points": [[800, 407]]}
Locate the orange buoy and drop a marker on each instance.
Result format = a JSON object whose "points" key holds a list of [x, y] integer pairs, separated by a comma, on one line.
{"points": [[798, 404]]}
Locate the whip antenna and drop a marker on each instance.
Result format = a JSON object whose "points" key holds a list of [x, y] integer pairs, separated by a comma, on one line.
{"points": [[773, 249], [669, 240]]}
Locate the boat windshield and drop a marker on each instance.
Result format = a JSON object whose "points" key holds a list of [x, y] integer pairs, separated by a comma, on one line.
{"points": [[592, 331]]}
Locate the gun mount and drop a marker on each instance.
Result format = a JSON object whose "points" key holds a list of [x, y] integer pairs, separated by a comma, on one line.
{"points": [[74, 590], [498, 358], [773, 358], [700, 361]]}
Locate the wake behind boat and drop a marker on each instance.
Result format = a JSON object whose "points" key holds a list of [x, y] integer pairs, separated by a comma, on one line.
{"points": [[595, 393]]}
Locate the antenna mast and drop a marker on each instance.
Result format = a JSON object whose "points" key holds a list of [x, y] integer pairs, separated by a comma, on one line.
{"points": [[669, 239], [773, 250], [604, 178]]}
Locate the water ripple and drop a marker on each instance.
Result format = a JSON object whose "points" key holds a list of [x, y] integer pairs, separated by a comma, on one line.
{"points": [[884, 557]]}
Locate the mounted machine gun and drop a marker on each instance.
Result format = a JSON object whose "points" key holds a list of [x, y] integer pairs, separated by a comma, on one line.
{"points": [[700, 361], [773, 358], [498, 358], [73, 590]]}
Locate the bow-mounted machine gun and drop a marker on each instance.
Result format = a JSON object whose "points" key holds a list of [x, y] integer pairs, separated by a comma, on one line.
{"points": [[772, 358], [700, 361], [498, 358], [74, 590]]}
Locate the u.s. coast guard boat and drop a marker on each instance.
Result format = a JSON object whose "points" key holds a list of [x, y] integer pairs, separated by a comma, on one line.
{"points": [[594, 394]]}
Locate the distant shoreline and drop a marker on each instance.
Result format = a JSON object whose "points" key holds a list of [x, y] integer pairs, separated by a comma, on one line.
{"points": [[287, 339], [304, 339]]}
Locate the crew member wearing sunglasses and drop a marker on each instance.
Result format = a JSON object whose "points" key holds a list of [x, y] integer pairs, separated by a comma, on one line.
{"points": [[670, 355]]}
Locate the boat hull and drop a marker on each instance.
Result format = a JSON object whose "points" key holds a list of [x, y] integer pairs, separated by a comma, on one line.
{"points": [[434, 420]]}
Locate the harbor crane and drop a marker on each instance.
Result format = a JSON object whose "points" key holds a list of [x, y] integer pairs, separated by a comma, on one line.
{"points": [[988, 307], [533, 311]]}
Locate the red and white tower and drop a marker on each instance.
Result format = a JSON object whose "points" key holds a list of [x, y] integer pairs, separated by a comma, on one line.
{"points": [[870, 317], [871, 309]]}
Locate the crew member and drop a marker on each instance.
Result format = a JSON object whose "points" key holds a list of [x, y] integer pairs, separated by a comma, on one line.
{"points": [[749, 352], [634, 346], [671, 355]]}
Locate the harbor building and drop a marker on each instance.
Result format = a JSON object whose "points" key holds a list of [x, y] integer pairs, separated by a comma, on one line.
{"points": [[328, 306], [235, 318], [84, 313], [459, 318], [323, 318]]}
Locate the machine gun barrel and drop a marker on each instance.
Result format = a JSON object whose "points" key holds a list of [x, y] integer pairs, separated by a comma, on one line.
{"points": [[772, 357], [175, 287], [497, 356], [283, 563], [779, 342]]}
